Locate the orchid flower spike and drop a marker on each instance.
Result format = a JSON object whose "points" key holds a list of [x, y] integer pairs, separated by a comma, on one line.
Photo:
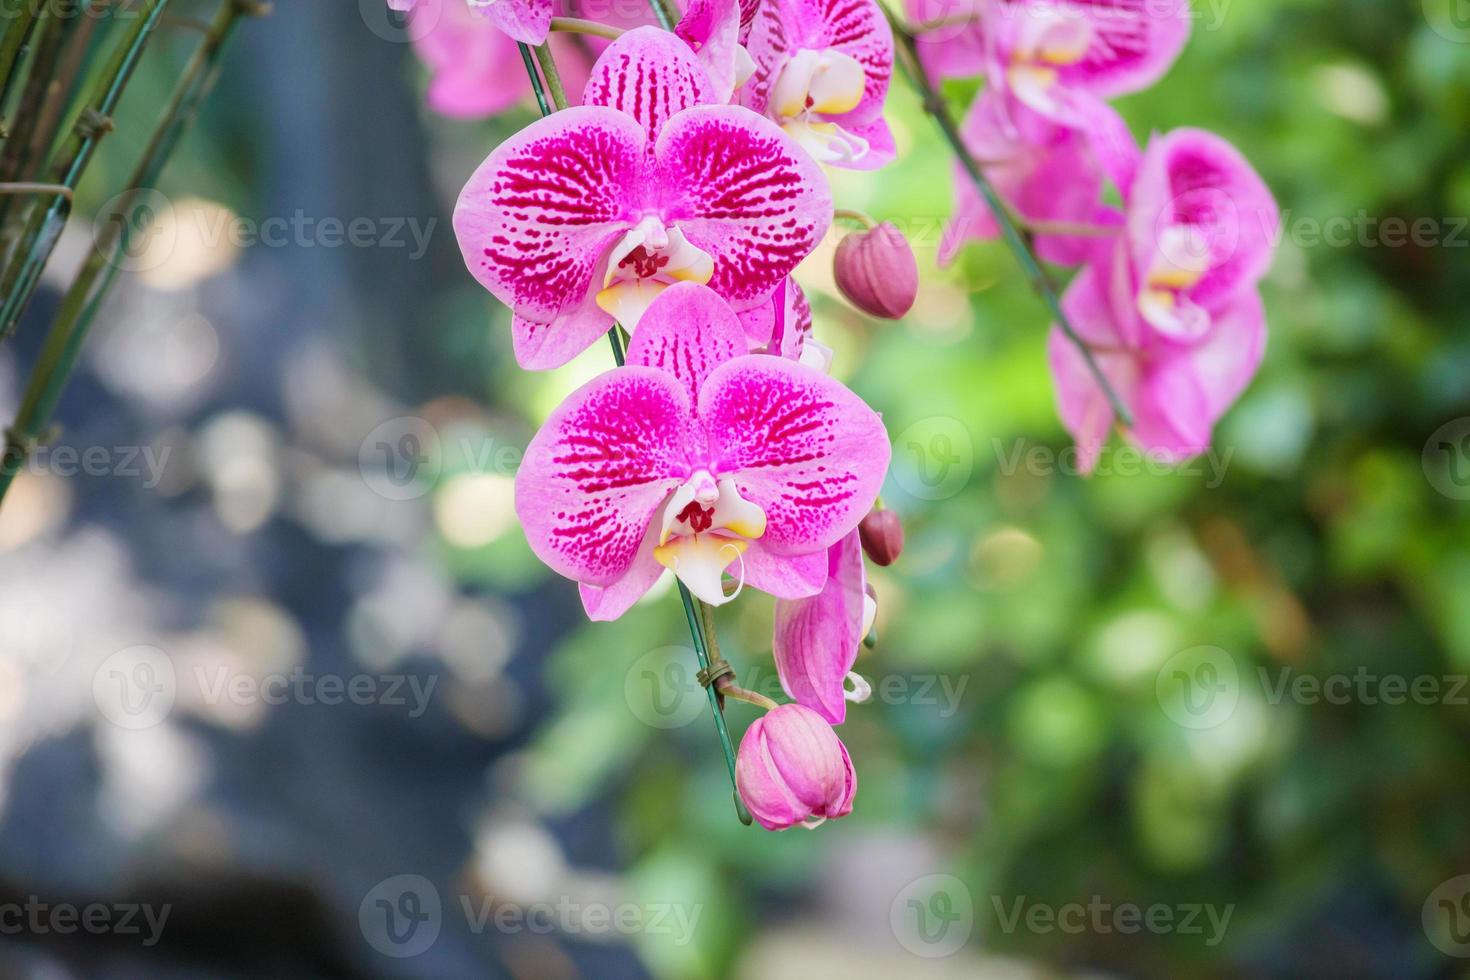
{"points": [[821, 72], [584, 217], [702, 459], [793, 769]]}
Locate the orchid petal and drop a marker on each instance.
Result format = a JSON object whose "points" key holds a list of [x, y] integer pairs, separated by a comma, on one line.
{"points": [[536, 218], [800, 445], [649, 74], [599, 469], [785, 576], [816, 639], [742, 191], [688, 332], [525, 21], [711, 28]]}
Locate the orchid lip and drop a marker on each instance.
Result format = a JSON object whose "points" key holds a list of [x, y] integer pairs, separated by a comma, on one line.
{"points": [[706, 526], [812, 87], [646, 261]]}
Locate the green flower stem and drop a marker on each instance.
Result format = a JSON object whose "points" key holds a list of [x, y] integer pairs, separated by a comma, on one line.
{"points": [[535, 78], [576, 25], [665, 12], [13, 50], [1018, 243], [616, 338], [82, 301], [44, 230], [553, 77]]}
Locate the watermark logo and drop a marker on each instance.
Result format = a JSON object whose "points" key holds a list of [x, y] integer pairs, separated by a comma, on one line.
{"points": [[1446, 917], [933, 916], [1450, 19], [1446, 459], [1198, 687], [135, 688], [401, 459], [933, 458], [140, 223], [401, 916], [662, 689]]}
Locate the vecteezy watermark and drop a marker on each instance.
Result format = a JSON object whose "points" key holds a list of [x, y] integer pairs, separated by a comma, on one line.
{"points": [[1124, 459], [139, 687], [151, 227], [1446, 917], [35, 917], [933, 916], [933, 458], [663, 691], [403, 458], [1450, 19], [1200, 687], [402, 917], [1446, 458], [1365, 230], [143, 463], [1101, 917]]}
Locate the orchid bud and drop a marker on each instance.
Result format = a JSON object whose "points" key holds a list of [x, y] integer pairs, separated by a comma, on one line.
{"points": [[882, 534], [793, 769], [876, 271]]}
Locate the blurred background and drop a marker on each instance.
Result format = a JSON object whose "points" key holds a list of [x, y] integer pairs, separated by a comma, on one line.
{"points": [[283, 693]]}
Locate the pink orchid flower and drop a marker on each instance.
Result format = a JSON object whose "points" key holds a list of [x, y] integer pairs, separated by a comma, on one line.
{"points": [[584, 217], [821, 71], [1201, 226], [793, 769], [699, 458], [817, 638], [1045, 171], [712, 29], [475, 70], [1170, 310]]}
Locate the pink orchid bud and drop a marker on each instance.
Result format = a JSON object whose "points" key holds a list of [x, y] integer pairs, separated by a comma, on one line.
{"points": [[882, 535], [876, 271], [793, 769]]}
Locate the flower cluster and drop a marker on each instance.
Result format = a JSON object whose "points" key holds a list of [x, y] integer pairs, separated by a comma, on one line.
{"points": [[668, 208], [1165, 304], [673, 203]]}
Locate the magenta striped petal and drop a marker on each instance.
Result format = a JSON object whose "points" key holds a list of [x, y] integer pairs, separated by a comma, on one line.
{"points": [[741, 190], [800, 445], [527, 21], [649, 74], [688, 332], [599, 469], [538, 215]]}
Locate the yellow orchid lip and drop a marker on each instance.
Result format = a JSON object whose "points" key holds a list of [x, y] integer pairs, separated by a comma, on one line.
{"points": [[645, 262], [706, 526]]}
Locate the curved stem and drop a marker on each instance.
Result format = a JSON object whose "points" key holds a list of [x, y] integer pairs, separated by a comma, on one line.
{"points": [[576, 25], [665, 12], [31, 187], [861, 217], [536, 86], [728, 688], [935, 106]]}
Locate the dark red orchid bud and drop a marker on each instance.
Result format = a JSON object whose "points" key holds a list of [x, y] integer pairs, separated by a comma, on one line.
{"points": [[882, 536], [876, 271]]}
